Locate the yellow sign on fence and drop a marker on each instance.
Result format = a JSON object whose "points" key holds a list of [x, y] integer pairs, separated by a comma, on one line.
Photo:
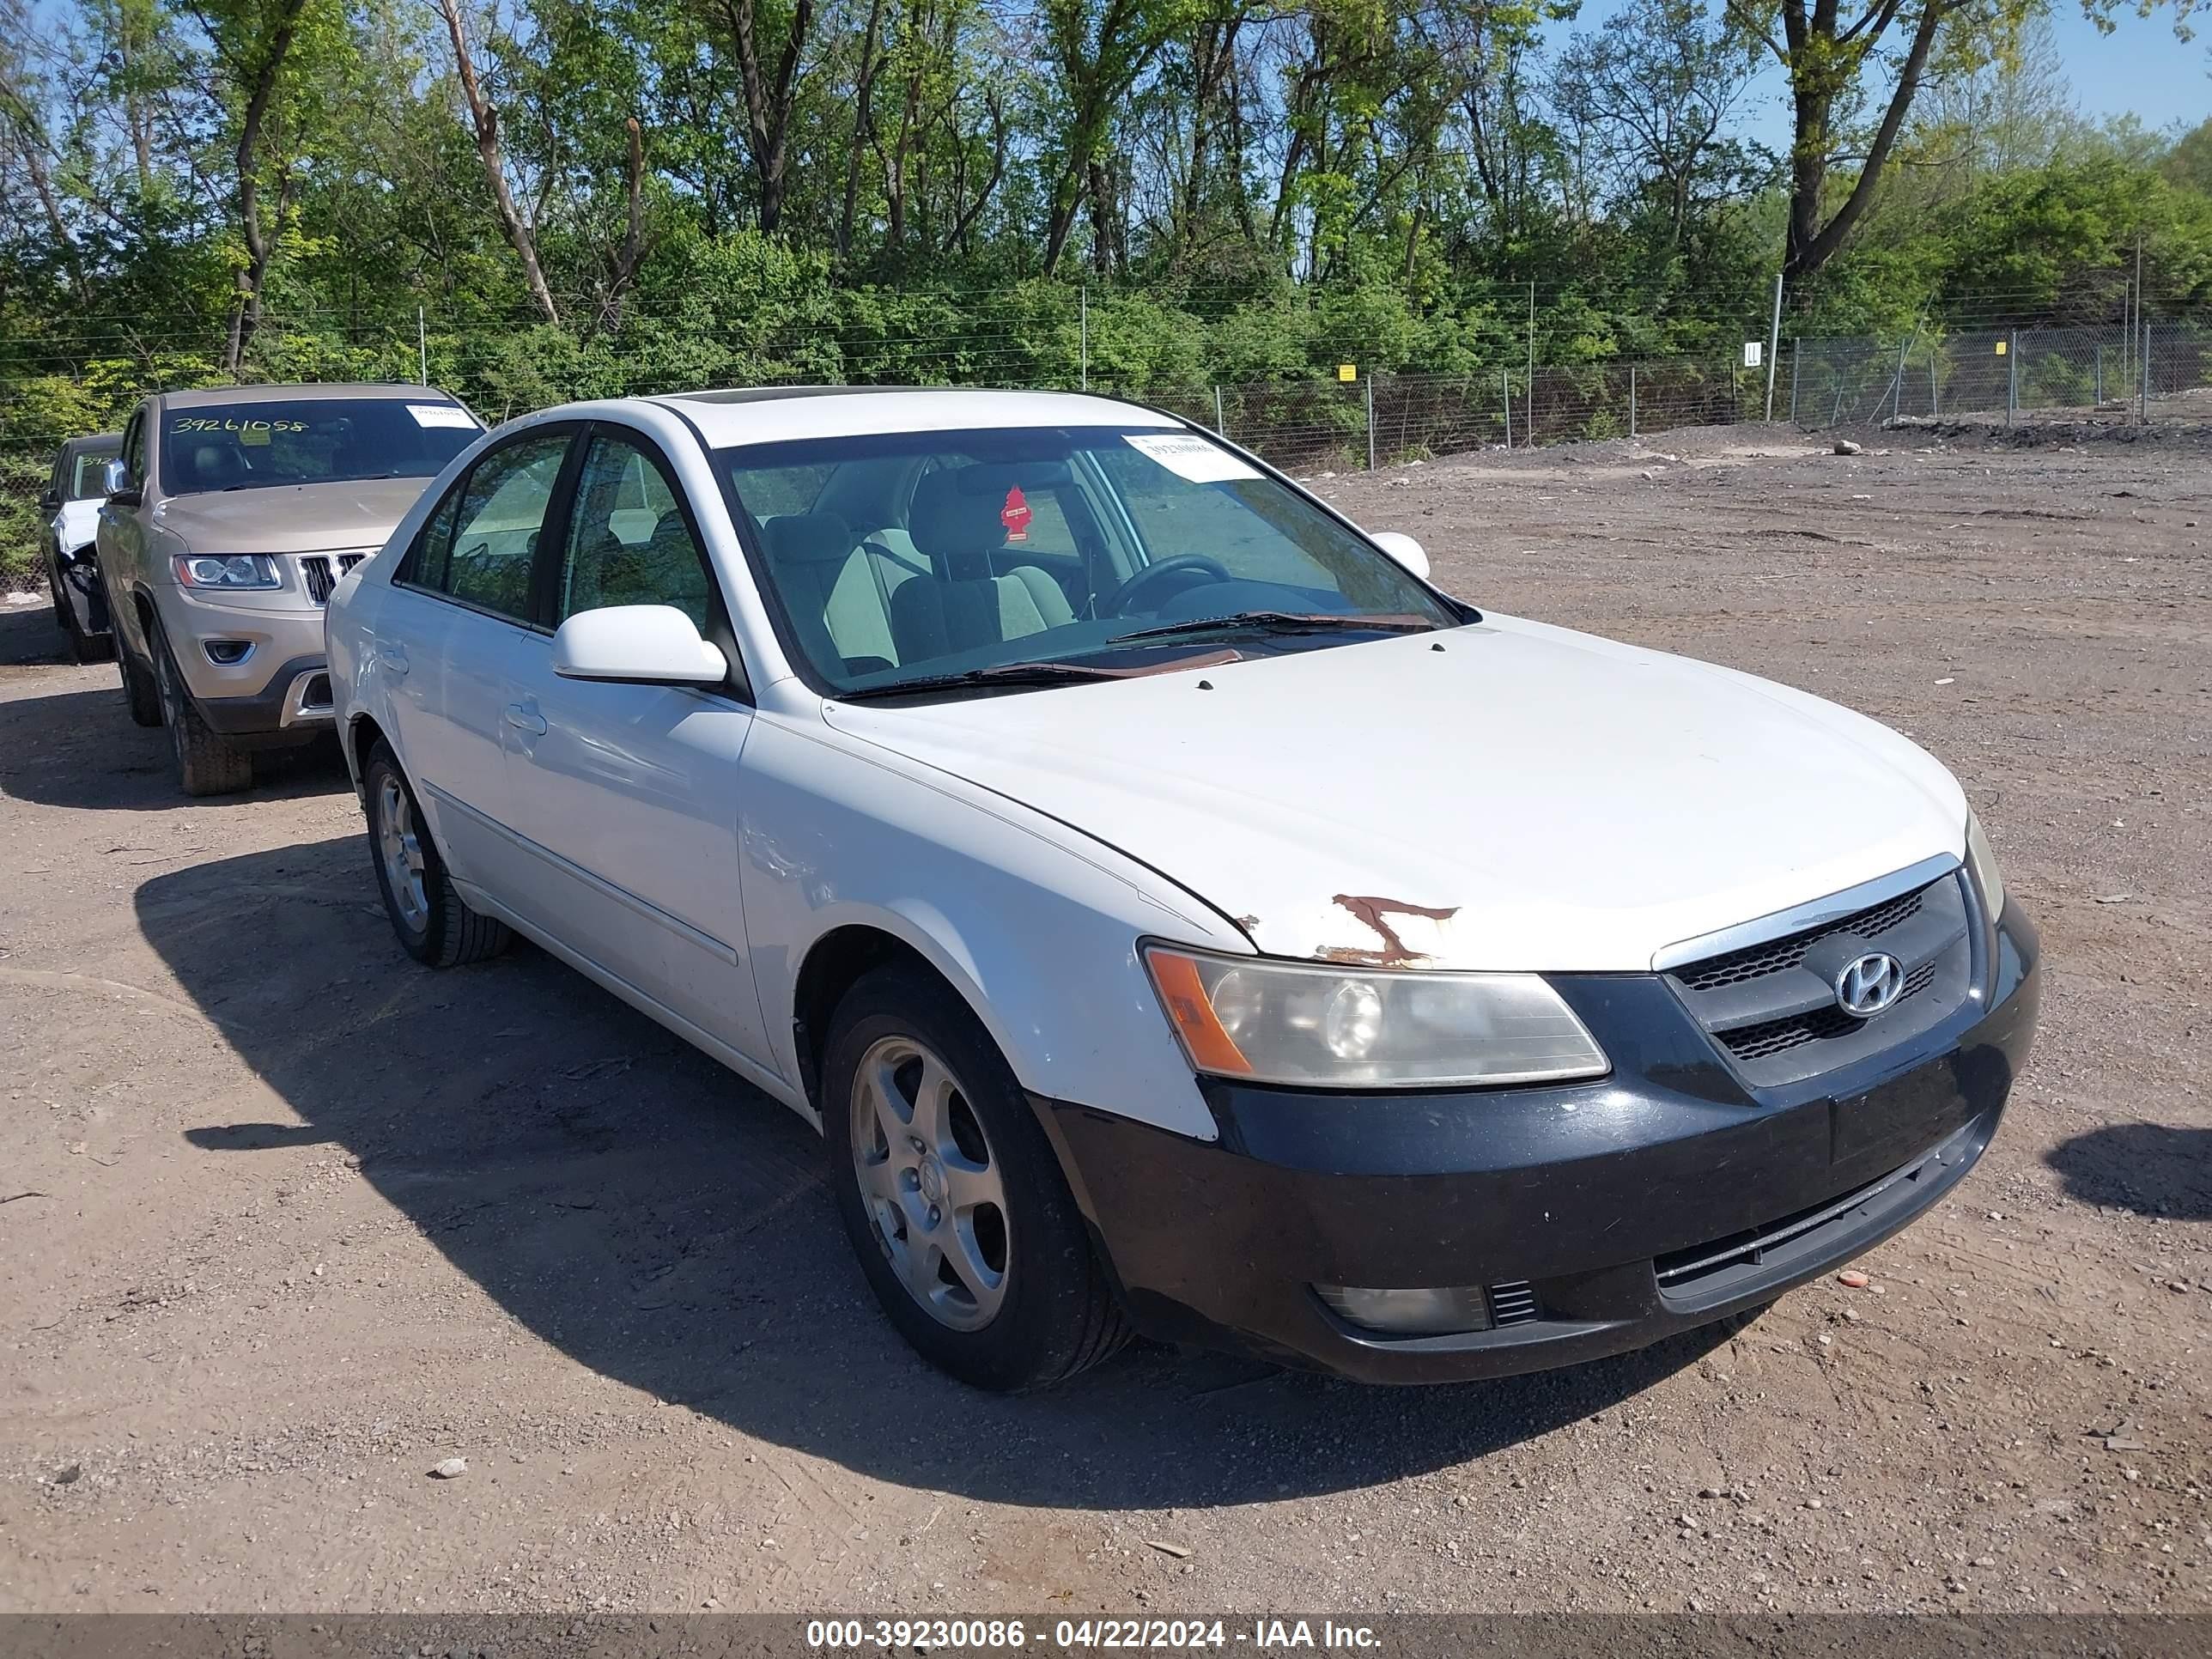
{"points": [[2000, 347], [1347, 371]]}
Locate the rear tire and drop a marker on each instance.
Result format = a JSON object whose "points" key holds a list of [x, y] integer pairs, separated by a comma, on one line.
{"points": [[208, 763], [434, 923], [958, 1212]]}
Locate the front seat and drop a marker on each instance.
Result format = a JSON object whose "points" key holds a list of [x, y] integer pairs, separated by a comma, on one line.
{"points": [[834, 590], [961, 605]]}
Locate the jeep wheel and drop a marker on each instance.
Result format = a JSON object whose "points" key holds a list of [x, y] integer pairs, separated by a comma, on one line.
{"points": [[208, 763]]}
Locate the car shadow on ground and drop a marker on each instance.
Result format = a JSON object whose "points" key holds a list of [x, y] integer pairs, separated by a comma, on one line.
{"points": [[2153, 1169], [79, 749], [655, 1219]]}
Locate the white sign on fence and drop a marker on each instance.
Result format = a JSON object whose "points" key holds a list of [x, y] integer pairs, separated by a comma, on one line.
{"points": [[1754, 353]]}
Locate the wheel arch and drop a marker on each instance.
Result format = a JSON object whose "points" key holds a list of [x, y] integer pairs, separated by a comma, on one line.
{"points": [[359, 740], [845, 954]]}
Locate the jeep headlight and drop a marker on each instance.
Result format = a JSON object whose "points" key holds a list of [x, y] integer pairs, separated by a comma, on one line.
{"points": [[1982, 865], [1316, 1025], [231, 570]]}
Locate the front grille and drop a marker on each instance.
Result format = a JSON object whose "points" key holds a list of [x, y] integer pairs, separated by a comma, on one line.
{"points": [[1771, 1008], [1754, 961], [316, 571], [1758, 1042]]}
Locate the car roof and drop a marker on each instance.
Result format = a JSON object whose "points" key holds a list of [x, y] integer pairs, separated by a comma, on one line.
{"points": [[201, 397], [773, 414], [91, 444]]}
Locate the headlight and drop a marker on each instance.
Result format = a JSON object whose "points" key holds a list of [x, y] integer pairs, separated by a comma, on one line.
{"points": [[1981, 865], [1287, 1022], [231, 570]]}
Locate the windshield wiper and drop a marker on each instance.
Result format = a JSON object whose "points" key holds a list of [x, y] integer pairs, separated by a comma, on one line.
{"points": [[1003, 674], [1280, 621]]}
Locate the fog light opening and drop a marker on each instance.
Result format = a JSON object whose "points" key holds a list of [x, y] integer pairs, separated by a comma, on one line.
{"points": [[227, 654], [1434, 1310]]}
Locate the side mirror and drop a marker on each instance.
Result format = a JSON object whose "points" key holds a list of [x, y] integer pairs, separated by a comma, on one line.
{"points": [[115, 478], [49, 502], [1403, 550], [648, 644]]}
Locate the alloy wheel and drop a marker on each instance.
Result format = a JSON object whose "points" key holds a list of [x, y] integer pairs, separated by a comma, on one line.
{"points": [[400, 844], [931, 1183]]}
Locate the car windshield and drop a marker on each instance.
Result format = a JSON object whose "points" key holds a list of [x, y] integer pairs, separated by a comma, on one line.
{"points": [[88, 471], [248, 445], [920, 559]]}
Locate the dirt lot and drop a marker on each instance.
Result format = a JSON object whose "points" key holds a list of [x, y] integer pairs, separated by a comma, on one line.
{"points": [[289, 1220]]}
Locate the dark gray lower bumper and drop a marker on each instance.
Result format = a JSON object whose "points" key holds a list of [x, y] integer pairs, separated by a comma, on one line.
{"points": [[1607, 1214], [268, 719]]}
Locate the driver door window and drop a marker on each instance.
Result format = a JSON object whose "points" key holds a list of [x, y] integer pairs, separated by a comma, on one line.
{"points": [[134, 449], [629, 541]]}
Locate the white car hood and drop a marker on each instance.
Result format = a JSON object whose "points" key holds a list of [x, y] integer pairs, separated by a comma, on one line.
{"points": [[1525, 798]]}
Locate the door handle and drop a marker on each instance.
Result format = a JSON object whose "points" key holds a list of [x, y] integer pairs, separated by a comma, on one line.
{"points": [[525, 719]]}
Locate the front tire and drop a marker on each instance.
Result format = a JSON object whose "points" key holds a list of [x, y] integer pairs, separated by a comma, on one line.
{"points": [[208, 763], [141, 693], [951, 1194], [434, 923]]}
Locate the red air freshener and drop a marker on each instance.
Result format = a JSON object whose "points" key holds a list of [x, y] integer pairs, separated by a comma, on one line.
{"points": [[1015, 515]]}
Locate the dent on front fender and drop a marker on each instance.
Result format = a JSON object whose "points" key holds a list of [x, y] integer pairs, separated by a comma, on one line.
{"points": [[1039, 937]]}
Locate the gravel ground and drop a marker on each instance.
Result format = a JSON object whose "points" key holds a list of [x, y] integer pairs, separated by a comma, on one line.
{"points": [[288, 1221]]}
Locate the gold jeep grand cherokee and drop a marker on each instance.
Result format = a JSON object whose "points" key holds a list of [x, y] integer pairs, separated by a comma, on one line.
{"points": [[231, 516]]}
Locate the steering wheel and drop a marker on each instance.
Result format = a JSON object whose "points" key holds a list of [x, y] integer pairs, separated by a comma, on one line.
{"points": [[1117, 604]]}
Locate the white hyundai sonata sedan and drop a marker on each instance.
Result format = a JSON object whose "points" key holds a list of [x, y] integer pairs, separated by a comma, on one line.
{"points": [[1177, 915]]}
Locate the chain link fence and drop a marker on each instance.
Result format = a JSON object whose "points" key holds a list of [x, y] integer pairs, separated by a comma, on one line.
{"points": [[2156, 372], [1383, 419]]}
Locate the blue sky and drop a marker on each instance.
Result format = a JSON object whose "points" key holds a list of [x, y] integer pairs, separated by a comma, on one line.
{"points": [[2138, 68]]}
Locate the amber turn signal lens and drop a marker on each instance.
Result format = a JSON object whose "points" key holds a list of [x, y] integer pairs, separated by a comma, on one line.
{"points": [[1191, 1012]]}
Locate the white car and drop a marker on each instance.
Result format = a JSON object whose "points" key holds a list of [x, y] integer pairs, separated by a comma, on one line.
{"points": [[69, 508], [1176, 913]]}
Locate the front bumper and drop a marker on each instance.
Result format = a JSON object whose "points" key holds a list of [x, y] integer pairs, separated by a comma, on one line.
{"points": [[278, 692], [1601, 1217]]}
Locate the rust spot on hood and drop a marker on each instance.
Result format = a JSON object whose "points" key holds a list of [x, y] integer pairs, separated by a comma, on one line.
{"points": [[1374, 913]]}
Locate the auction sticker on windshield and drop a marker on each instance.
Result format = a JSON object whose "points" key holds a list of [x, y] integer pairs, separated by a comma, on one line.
{"points": [[1191, 458], [441, 415]]}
